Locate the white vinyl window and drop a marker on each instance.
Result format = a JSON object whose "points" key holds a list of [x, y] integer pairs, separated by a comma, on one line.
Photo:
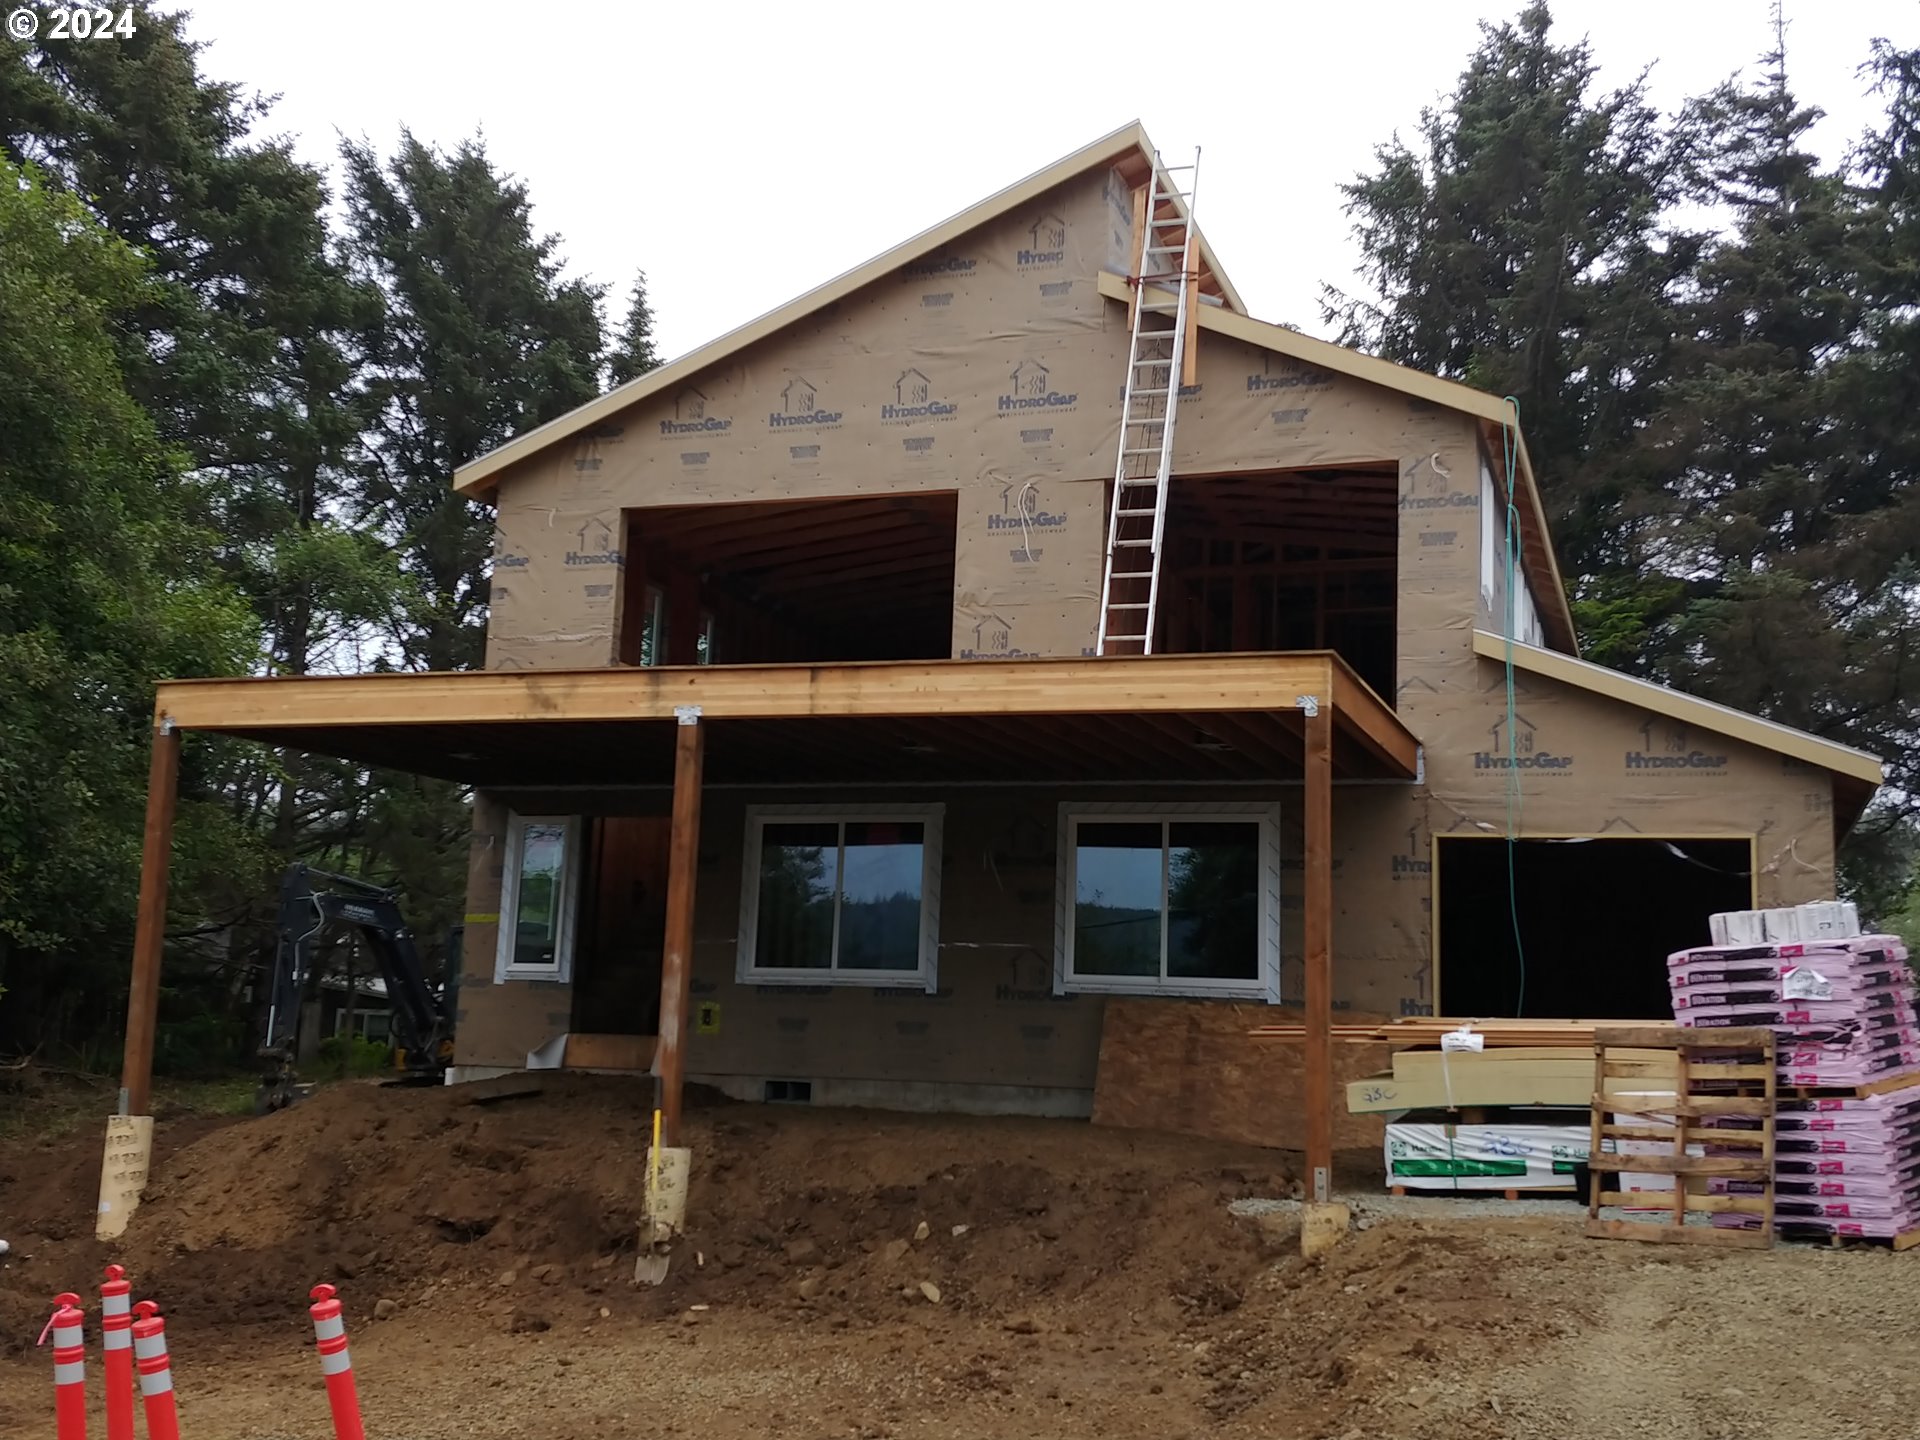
{"points": [[1176, 899], [834, 896], [538, 895]]}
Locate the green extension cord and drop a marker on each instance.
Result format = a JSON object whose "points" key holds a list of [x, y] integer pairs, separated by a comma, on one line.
{"points": [[1510, 432]]}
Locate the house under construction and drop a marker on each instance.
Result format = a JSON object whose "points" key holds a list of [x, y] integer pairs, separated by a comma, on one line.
{"points": [[1012, 624]]}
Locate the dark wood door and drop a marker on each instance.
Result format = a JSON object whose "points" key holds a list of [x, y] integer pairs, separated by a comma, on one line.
{"points": [[616, 977]]}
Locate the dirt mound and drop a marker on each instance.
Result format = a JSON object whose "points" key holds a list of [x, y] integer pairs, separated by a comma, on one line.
{"points": [[532, 1200]]}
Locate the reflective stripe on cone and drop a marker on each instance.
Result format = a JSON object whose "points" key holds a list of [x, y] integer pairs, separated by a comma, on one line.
{"points": [[116, 1344], [69, 1368], [156, 1376], [330, 1339]]}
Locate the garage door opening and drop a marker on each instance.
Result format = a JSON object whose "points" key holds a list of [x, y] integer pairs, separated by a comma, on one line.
{"points": [[1597, 920]]}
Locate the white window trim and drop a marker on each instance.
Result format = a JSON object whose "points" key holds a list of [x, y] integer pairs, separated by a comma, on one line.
{"points": [[1265, 988], [504, 965], [925, 977]]}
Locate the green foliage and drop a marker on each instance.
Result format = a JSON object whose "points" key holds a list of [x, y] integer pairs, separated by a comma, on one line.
{"points": [[1715, 340], [633, 354], [1523, 248], [348, 1056], [105, 581], [229, 449], [481, 340]]}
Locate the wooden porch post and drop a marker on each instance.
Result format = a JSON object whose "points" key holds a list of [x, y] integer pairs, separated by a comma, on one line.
{"points": [[1318, 806], [676, 971], [150, 923]]}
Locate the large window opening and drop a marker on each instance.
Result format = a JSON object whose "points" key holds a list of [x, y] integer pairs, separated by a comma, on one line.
{"points": [[840, 897], [1596, 918], [1164, 900], [869, 578], [1286, 560]]}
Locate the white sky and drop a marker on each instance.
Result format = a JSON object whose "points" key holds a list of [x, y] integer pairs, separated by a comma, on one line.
{"points": [[744, 153]]}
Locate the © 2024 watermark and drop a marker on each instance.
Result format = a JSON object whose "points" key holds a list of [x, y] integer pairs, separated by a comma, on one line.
{"points": [[71, 22]]}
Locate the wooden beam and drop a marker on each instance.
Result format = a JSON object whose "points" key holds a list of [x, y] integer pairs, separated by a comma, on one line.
{"points": [[1136, 245], [1317, 848], [1190, 352], [150, 923], [1368, 718], [1113, 685], [676, 969]]}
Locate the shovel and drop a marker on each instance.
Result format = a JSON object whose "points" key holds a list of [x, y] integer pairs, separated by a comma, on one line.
{"points": [[650, 1268]]}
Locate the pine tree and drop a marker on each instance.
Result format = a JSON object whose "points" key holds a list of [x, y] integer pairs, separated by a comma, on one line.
{"points": [[632, 354], [104, 580], [1775, 514], [482, 339], [1522, 249]]}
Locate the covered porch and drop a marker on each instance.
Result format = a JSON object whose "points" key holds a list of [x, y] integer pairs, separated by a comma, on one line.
{"points": [[1207, 720]]}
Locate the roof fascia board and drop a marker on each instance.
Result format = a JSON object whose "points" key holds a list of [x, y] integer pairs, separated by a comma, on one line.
{"points": [[476, 477], [1688, 709]]}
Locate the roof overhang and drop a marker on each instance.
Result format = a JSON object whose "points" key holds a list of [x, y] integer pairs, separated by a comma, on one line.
{"points": [[1197, 718], [1491, 414], [1127, 149], [1856, 774]]}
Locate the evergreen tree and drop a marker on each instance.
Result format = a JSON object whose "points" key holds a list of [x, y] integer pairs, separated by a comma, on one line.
{"points": [[1789, 520], [482, 340], [104, 582], [632, 354], [1522, 249]]}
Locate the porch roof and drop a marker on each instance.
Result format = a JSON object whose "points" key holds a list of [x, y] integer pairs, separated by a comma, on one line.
{"points": [[1177, 717]]}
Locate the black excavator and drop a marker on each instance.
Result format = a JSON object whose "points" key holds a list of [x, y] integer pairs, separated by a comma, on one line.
{"points": [[313, 902]]}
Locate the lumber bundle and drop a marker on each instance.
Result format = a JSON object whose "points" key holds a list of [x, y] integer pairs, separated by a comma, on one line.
{"points": [[1425, 1032], [1509, 1075]]}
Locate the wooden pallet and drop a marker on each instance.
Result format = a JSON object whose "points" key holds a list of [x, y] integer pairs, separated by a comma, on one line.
{"points": [[1521, 1193], [1708, 1084]]}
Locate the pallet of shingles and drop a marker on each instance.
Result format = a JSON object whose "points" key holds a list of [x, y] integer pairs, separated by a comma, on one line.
{"points": [[1847, 1149]]}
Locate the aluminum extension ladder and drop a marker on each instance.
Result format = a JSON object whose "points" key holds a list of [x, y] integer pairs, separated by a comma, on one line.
{"points": [[1136, 528]]}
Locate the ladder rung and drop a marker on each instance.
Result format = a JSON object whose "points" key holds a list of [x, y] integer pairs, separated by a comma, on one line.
{"points": [[1129, 604], [1133, 514], [1131, 544], [1163, 362], [1163, 390], [1163, 249], [1150, 450]]}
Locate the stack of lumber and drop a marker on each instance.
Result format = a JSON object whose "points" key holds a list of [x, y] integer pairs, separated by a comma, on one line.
{"points": [[1427, 1030], [1507, 1117], [1541, 1149], [1504, 1075], [1847, 1147]]}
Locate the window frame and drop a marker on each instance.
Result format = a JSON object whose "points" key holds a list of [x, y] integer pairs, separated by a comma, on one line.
{"points": [[1264, 987], [926, 976], [505, 967]]}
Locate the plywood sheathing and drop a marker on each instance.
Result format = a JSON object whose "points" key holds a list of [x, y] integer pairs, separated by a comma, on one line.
{"points": [[1190, 1066]]}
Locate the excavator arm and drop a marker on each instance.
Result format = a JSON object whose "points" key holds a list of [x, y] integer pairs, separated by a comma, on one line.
{"points": [[312, 903]]}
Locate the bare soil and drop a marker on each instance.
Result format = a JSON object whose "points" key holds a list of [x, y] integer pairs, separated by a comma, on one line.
{"points": [[1090, 1282]]}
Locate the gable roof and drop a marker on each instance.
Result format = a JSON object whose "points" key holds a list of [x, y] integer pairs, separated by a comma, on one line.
{"points": [[1127, 148], [1131, 151], [1856, 774]]}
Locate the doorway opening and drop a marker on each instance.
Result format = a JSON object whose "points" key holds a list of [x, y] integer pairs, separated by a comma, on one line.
{"points": [[1597, 919], [616, 973]]}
